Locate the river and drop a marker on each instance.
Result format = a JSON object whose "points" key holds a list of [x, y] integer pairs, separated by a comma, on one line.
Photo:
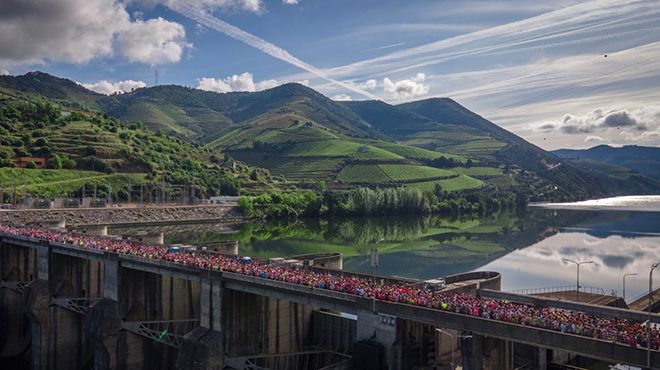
{"points": [[526, 248]]}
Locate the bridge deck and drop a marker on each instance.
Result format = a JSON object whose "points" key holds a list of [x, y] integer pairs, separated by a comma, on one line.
{"points": [[642, 303], [328, 299]]}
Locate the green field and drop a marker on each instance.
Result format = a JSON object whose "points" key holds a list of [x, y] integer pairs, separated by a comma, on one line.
{"points": [[51, 183], [366, 173], [390, 173], [341, 148], [458, 183], [414, 152], [478, 171], [403, 172]]}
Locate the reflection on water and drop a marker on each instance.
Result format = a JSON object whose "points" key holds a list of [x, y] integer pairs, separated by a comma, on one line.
{"points": [[526, 249], [540, 265]]}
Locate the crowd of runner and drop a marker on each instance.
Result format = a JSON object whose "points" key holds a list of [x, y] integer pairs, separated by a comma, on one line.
{"points": [[613, 329]]}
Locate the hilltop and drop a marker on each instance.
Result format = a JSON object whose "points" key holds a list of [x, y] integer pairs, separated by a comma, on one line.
{"points": [[300, 134], [629, 158], [88, 147]]}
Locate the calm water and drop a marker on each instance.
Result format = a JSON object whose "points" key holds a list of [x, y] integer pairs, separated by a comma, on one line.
{"points": [[527, 249]]}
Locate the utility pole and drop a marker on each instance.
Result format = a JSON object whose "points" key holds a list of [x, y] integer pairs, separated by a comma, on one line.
{"points": [[648, 322], [577, 293], [624, 284]]}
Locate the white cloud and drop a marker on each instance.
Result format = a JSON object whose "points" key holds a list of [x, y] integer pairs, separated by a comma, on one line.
{"points": [[290, 2], [266, 84], [4, 72], [242, 82], [407, 88], [155, 41], [369, 84], [254, 6], [594, 139], [79, 31], [342, 97], [599, 120], [119, 87], [258, 43], [616, 126]]}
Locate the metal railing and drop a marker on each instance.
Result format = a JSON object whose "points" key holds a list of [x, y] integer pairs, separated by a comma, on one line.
{"points": [[564, 288]]}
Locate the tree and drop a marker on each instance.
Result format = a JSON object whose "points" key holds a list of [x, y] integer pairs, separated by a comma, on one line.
{"points": [[469, 163], [437, 190], [31, 165], [69, 164]]}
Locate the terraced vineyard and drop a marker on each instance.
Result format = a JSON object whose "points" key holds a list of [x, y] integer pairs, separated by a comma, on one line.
{"points": [[51, 183], [414, 152], [461, 182], [478, 171], [341, 148]]}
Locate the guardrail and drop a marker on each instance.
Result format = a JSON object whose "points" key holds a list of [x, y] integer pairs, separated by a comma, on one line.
{"points": [[564, 288]]}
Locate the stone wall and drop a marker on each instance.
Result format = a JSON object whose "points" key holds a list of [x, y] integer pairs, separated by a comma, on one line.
{"points": [[104, 216]]}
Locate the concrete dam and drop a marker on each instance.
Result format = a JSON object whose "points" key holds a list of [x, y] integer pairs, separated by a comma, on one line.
{"points": [[64, 306]]}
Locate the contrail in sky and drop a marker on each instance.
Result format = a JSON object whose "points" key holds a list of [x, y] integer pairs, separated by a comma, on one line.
{"points": [[208, 20]]}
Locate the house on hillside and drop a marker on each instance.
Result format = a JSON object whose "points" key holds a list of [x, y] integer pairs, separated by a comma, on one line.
{"points": [[22, 162]]}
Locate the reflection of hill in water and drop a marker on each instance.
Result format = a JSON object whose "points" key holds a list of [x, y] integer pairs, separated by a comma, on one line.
{"points": [[421, 247], [624, 224]]}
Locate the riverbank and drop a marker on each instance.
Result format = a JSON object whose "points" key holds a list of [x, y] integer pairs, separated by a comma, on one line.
{"points": [[119, 216], [638, 203]]}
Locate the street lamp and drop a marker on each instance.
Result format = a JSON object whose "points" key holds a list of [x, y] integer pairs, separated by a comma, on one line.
{"points": [[624, 284], [577, 263], [648, 323], [453, 342]]}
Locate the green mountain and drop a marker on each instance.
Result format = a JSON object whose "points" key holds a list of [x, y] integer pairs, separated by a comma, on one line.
{"points": [[87, 147], [298, 133], [633, 158]]}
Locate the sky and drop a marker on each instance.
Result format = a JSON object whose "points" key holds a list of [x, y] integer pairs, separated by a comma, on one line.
{"points": [[561, 74]]}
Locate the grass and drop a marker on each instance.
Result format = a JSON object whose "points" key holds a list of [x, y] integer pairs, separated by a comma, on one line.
{"points": [[51, 183], [478, 171], [461, 182], [403, 172], [414, 152], [290, 167], [341, 148], [390, 173], [366, 173]]}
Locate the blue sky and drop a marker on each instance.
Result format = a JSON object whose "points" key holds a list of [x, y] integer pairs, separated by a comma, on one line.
{"points": [[536, 68]]}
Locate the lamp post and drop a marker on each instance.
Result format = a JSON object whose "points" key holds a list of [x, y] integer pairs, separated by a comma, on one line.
{"points": [[453, 347], [648, 322], [624, 284], [374, 260], [577, 263]]}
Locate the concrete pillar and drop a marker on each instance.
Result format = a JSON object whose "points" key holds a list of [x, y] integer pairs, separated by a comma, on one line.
{"points": [[472, 352], [111, 276], [211, 304], [43, 260], [477, 352], [66, 342], [102, 327], [35, 303], [383, 329], [203, 347], [543, 358]]}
